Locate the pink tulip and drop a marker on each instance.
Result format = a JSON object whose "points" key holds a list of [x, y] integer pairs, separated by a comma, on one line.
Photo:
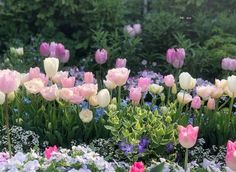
{"points": [[211, 104], [118, 76], [48, 151], [34, 86], [231, 155], [144, 83], [180, 53], [34, 73], [77, 97], [101, 56], [60, 51], [44, 49], [59, 75], [9, 81], [66, 57], [68, 82], [137, 167], [88, 77], [188, 135], [175, 57], [130, 30], [88, 90], [49, 93], [65, 94], [135, 94], [120, 63], [4, 156], [169, 80], [52, 49], [170, 55], [196, 102], [228, 64]]}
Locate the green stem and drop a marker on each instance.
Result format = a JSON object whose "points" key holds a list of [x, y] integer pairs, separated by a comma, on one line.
{"points": [[186, 160], [223, 104], [168, 96], [119, 95], [231, 104], [7, 126]]}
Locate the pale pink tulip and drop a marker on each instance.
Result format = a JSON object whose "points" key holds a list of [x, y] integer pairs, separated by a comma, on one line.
{"points": [[50, 93], [88, 77], [204, 91], [59, 75], [216, 92], [144, 83], [135, 94], [129, 30], [66, 57], [88, 90], [169, 80], [9, 81], [34, 86], [137, 28], [188, 135], [196, 102], [35, 73], [211, 104], [68, 82], [52, 49], [77, 98], [101, 56], [109, 84], [65, 94], [231, 155], [118, 76], [120, 63], [48, 151]]}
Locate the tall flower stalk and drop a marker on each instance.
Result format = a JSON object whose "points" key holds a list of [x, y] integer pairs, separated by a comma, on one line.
{"points": [[7, 125]]}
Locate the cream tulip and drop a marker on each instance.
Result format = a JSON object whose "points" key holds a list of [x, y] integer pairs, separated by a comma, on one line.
{"points": [[186, 81], [184, 98], [103, 98], [34, 86], [109, 84], [93, 101], [86, 115], [51, 66], [221, 83], [204, 91], [155, 89], [2, 98]]}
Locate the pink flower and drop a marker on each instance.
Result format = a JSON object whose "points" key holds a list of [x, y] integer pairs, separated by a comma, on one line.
{"points": [[44, 49], [137, 167], [60, 51], [34, 73], [137, 28], [188, 135], [144, 83], [101, 56], [49, 93], [88, 77], [231, 155], [52, 49], [175, 57], [48, 151], [65, 94], [4, 156], [196, 102], [77, 98], [169, 80], [211, 104], [9, 81], [120, 63], [66, 57], [68, 82], [118, 76], [59, 75], [135, 94], [204, 91], [88, 90], [34, 86], [228, 64]]}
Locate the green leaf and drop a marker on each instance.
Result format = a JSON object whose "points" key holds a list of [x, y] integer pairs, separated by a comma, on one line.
{"points": [[158, 168], [110, 128]]}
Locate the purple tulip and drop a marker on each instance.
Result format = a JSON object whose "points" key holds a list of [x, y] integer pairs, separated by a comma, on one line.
{"points": [[52, 49], [44, 49], [228, 64], [175, 57], [120, 63], [60, 51], [101, 56], [66, 57]]}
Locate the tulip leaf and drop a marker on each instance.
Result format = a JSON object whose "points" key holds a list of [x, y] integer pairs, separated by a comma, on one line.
{"points": [[158, 168]]}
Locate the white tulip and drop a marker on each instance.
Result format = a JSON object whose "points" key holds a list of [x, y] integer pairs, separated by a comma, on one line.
{"points": [[103, 98], [186, 81], [184, 98], [51, 66], [109, 84], [155, 88], [231, 81]]}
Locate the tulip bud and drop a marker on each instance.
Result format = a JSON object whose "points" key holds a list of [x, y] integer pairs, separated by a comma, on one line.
{"points": [[19, 121], [109, 84], [231, 81], [103, 98], [163, 97], [66, 57], [174, 89], [93, 100], [101, 56], [112, 107], [144, 83], [211, 104], [184, 98], [2, 98], [11, 96], [120, 63], [155, 89], [169, 80], [60, 51], [114, 101], [51, 66], [86, 115], [196, 102]]}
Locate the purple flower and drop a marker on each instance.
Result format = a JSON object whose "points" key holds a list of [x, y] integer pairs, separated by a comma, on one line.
{"points": [[143, 144], [126, 148], [169, 147]]}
